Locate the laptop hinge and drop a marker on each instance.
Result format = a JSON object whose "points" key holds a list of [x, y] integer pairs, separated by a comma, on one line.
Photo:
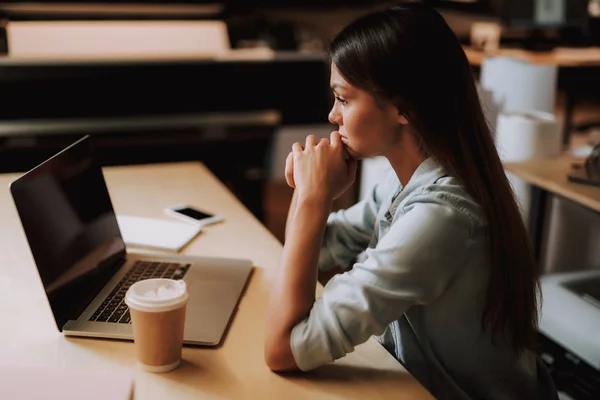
{"points": [[114, 264]]}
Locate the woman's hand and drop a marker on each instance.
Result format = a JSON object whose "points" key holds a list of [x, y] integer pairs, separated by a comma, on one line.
{"points": [[320, 170], [289, 170]]}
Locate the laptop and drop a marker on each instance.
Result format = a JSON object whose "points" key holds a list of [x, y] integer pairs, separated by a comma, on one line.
{"points": [[84, 265]]}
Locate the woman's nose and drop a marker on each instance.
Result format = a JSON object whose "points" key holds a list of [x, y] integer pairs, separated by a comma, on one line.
{"points": [[335, 116]]}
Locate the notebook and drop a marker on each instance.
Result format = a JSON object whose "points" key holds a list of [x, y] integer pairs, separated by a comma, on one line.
{"points": [[156, 233], [43, 383]]}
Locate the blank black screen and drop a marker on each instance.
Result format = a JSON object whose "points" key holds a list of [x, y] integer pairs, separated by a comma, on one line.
{"points": [[193, 213], [69, 222]]}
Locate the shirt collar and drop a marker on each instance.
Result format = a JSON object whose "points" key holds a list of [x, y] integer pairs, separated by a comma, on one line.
{"points": [[426, 173]]}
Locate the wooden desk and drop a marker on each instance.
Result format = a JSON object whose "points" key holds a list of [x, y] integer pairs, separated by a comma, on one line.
{"points": [[549, 176], [562, 57], [234, 370]]}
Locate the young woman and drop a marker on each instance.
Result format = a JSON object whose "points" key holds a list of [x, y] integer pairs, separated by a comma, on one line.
{"points": [[441, 269]]}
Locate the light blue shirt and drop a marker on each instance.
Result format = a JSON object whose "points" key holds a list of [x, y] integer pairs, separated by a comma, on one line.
{"points": [[418, 286]]}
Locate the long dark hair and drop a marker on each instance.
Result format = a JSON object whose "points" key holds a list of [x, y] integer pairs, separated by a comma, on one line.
{"points": [[409, 55]]}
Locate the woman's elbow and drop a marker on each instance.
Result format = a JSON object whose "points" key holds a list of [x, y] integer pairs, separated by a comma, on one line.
{"points": [[278, 358]]}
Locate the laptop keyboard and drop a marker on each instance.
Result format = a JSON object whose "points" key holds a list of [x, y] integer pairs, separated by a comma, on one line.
{"points": [[113, 308]]}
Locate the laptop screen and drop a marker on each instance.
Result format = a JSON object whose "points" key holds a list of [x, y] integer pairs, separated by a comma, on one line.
{"points": [[72, 230]]}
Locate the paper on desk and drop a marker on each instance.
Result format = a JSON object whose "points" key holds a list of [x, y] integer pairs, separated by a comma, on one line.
{"points": [[41, 383], [156, 233]]}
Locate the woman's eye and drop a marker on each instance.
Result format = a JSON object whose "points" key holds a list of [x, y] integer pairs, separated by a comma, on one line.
{"points": [[342, 101]]}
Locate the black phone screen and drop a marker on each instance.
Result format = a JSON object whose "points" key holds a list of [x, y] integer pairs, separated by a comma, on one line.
{"points": [[193, 213]]}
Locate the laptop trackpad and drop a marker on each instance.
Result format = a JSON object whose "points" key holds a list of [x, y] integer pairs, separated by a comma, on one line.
{"points": [[209, 309]]}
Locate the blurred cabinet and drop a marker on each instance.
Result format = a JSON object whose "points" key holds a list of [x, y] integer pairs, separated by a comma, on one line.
{"points": [[223, 113]]}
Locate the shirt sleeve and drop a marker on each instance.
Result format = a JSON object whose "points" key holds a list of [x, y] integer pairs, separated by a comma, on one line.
{"points": [[348, 232], [411, 265]]}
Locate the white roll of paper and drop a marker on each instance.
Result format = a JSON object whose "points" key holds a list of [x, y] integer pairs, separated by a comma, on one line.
{"points": [[524, 135]]}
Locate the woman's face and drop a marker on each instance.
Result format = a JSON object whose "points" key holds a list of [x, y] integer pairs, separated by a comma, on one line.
{"points": [[368, 127]]}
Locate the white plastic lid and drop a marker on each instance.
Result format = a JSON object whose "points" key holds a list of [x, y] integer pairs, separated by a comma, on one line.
{"points": [[157, 295]]}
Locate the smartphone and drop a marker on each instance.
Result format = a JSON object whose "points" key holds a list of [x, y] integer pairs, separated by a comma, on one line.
{"points": [[192, 215]]}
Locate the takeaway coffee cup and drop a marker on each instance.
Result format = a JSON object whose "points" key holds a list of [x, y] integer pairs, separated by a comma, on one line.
{"points": [[157, 308]]}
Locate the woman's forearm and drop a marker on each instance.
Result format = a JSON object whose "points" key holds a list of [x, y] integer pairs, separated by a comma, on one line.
{"points": [[323, 276], [301, 254], [291, 212], [293, 293]]}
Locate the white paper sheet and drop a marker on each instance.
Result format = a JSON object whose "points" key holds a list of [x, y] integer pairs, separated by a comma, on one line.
{"points": [[156, 233]]}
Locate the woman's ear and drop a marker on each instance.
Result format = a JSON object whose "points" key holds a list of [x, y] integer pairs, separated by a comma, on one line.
{"points": [[400, 118]]}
